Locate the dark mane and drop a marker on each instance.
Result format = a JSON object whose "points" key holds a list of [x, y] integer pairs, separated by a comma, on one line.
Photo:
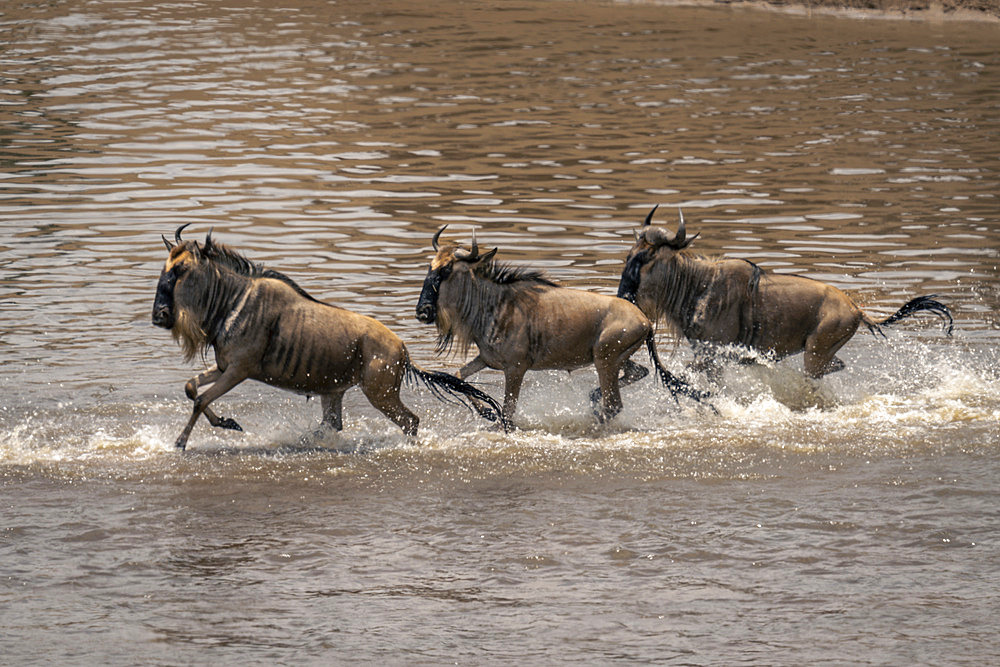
{"points": [[475, 302], [506, 274], [236, 262]]}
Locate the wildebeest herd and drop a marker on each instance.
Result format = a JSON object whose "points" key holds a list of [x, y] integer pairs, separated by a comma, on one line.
{"points": [[263, 326]]}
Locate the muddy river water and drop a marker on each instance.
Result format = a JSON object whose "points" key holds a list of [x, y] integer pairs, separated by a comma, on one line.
{"points": [[329, 140]]}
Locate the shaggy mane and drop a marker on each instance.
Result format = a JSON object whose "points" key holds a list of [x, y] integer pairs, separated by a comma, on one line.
{"points": [[506, 274], [474, 310], [238, 263]]}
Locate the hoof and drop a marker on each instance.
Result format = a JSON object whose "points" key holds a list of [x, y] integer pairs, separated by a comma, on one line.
{"points": [[229, 423]]}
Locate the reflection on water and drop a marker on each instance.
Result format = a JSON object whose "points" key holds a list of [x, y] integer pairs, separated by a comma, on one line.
{"points": [[330, 141]]}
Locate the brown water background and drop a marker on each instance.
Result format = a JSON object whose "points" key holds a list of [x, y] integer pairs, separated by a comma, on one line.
{"points": [[329, 140]]}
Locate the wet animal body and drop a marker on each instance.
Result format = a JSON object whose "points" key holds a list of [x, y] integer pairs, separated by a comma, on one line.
{"points": [[263, 326], [520, 321], [732, 302]]}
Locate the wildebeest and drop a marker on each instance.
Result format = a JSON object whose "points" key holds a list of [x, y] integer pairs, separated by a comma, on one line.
{"points": [[521, 320], [733, 302], [264, 327]]}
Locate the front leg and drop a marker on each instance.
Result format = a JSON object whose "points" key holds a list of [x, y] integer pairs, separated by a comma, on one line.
{"points": [[470, 368], [473, 366], [333, 410], [191, 390], [513, 377], [225, 381], [706, 360]]}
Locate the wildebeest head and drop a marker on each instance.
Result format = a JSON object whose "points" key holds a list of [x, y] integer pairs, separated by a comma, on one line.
{"points": [[449, 259], [184, 258], [649, 243]]}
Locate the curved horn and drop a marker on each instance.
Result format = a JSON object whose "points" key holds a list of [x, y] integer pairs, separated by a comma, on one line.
{"points": [[649, 216], [437, 236], [177, 233], [170, 246], [681, 231]]}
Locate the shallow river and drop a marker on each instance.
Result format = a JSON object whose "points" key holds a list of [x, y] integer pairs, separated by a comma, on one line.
{"points": [[329, 141]]}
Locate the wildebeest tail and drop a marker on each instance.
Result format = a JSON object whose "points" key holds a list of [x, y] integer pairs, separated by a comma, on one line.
{"points": [[451, 389], [928, 303], [674, 384]]}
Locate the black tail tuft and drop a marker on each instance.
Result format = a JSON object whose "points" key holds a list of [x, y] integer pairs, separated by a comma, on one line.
{"points": [[674, 384], [450, 389], [918, 304]]}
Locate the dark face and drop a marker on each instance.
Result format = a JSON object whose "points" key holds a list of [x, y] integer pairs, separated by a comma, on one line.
{"points": [[638, 257], [632, 274], [175, 267], [439, 271]]}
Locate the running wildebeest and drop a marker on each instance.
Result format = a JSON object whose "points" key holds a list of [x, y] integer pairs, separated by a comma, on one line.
{"points": [[264, 327], [520, 320], [733, 302]]}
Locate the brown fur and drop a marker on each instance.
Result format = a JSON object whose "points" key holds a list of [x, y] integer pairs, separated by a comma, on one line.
{"points": [[731, 302], [263, 326], [520, 320]]}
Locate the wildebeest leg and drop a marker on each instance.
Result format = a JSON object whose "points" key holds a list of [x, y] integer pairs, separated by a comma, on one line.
{"points": [[393, 408], [822, 347], [465, 371], [333, 410], [513, 377], [611, 354], [631, 372], [473, 366], [380, 383], [611, 395], [706, 360], [191, 390], [226, 381], [836, 364]]}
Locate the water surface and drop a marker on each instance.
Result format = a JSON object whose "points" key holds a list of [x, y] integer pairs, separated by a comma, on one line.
{"points": [[329, 141]]}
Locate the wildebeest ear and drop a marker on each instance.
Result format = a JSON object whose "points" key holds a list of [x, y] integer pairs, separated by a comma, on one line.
{"points": [[170, 246], [209, 246], [689, 241], [483, 259]]}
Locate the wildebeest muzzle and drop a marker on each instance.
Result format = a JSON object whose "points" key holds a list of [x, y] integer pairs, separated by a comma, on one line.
{"points": [[629, 283], [427, 303], [163, 304]]}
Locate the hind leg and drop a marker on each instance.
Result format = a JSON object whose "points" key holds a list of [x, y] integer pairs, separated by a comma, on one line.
{"points": [[611, 354], [631, 372], [380, 385], [611, 396], [836, 364], [393, 408], [820, 353]]}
